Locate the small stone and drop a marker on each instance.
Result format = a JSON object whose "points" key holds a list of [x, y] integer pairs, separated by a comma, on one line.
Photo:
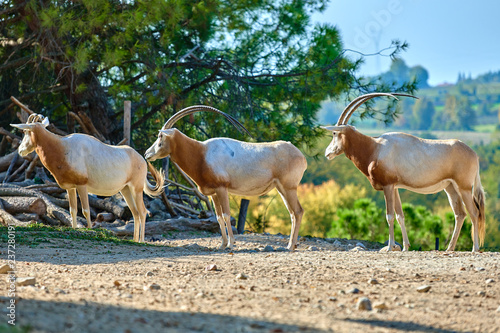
{"points": [[424, 288], [337, 243], [380, 306], [149, 273], [498, 309], [152, 286], [357, 249], [364, 303], [313, 248], [353, 291], [479, 269], [361, 245], [481, 293], [267, 248], [281, 249], [26, 281], [117, 283], [211, 268], [373, 281], [332, 299], [4, 269], [489, 281], [241, 276]]}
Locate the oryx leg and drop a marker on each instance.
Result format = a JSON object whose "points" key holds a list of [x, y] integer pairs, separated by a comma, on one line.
{"points": [[401, 219], [460, 214], [84, 199], [474, 214], [130, 200], [389, 206], [73, 206], [141, 212], [221, 203], [296, 211]]}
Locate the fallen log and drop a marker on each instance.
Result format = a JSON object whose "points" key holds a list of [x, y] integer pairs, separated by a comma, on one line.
{"points": [[53, 211], [6, 160], [177, 224], [8, 220], [15, 205], [27, 217]]}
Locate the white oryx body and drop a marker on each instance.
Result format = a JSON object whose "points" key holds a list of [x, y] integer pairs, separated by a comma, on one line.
{"points": [[399, 160], [221, 166], [82, 163]]}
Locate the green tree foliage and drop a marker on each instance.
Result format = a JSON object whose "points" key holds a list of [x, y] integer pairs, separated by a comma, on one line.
{"points": [[456, 115], [423, 113], [365, 220], [262, 61], [399, 73]]}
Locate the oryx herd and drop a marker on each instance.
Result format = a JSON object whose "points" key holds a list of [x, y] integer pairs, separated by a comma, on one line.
{"points": [[220, 166]]}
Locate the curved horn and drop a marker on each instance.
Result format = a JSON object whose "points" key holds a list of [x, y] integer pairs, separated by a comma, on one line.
{"points": [[358, 101], [35, 118], [361, 102], [367, 97], [197, 108]]}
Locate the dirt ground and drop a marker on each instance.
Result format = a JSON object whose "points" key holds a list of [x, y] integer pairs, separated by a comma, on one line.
{"points": [[186, 285]]}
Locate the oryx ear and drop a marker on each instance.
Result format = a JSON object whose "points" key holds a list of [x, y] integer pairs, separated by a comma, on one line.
{"points": [[23, 126], [333, 128], [45, 122]]}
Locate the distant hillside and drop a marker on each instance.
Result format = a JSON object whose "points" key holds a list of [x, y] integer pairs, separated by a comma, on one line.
{"points": [[470, 104]]}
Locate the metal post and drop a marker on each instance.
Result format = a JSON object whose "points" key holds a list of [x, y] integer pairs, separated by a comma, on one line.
{"points": [[242, 216], [437, 243]]}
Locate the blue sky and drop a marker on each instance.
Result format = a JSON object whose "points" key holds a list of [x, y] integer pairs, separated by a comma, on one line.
{"points": [[446, 37]]}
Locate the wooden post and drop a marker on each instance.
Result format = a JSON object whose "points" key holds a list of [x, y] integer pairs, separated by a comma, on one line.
{"points": [[437, 243], [242, 216], [127, 109]]}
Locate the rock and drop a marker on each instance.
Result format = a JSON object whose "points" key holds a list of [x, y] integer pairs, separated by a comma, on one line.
{"points": [[241, 276], [25, 281], [479, 269], [267, 248], [149, 273], [373, 281], [364, 304], [332, 299], [281, 249], [361, 245], [489, 281], [498, 309], [380, 306], [386, 248], [357, 249], [313, 248], [211, 268], [4, 269], [337, 243], [481, 293], [424, 288], [152, 286], [353, 291], [117, 283]]}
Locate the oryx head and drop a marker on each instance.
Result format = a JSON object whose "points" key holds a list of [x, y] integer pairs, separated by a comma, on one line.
{"points": [[28, 144]]}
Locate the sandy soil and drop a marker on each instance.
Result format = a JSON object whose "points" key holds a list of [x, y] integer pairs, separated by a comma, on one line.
{"points": [[186, 285]]}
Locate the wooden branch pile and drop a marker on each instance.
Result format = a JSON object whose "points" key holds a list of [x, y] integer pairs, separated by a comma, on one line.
{"points": [[28, 194]]}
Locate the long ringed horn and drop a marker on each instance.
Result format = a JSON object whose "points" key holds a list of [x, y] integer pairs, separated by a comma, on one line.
{"points": [[34, 118], [197, 108], [361, 102], [361, 99]]}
